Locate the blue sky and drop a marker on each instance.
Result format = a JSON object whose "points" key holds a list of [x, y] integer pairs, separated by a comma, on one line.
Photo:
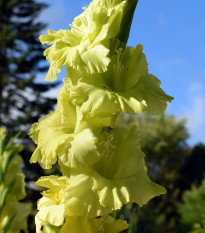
{"points": [[173, 36]]}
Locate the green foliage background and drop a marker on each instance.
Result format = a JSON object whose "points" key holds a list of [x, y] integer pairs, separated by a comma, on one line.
{"points": [[174, 165]]}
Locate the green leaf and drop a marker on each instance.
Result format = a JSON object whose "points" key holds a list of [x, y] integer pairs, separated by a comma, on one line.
{"points": [[20, 211], [3, 135], [192, 209], [7, 159], [14, 175], [7, 225], [4, 191], [12, 189], [9, 144]]}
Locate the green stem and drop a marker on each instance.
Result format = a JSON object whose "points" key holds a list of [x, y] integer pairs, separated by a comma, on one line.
{"points": [[123, 35]]}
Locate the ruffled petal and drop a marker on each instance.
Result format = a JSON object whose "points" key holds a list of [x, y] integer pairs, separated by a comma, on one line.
{"points": [[105, 224], [156, 98], [97, 196], [132, 102], [126, 68], [66, 135], [51, 75], [94, 60], [74, 150], [118, 178], [55, 210], [51, 206], [94, 98], [79, 197], [55, 193], [45, 227], [49, 142], [52, 214], [76, 224], [123, 178], [86, 46], [52, 36], [83, 151], [114, 193], [121, 154], [126, 86]]}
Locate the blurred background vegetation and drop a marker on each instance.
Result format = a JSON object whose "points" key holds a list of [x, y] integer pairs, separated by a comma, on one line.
{"points": [[171, 162]]}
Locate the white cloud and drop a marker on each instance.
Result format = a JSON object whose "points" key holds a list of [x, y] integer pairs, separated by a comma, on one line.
{"points": [[195, 112], [173, 62]]}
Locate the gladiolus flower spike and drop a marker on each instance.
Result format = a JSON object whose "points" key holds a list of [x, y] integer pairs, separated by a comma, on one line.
{"points": [[102, 165]]}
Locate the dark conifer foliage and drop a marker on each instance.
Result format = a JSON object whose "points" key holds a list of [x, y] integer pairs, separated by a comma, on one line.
{"points": [[194, 168], [21, 58]]}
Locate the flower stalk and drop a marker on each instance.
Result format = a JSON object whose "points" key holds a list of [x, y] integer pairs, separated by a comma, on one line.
{"points": [[102, 165], [124, 32]]}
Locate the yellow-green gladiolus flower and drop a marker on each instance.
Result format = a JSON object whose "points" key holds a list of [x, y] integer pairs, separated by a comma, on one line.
{"points": [[118, 178], [126, 86], [53, 212], [64, 134], [51, 206], [86, 46], [76, 224], [103, 166], [105, 224]]}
